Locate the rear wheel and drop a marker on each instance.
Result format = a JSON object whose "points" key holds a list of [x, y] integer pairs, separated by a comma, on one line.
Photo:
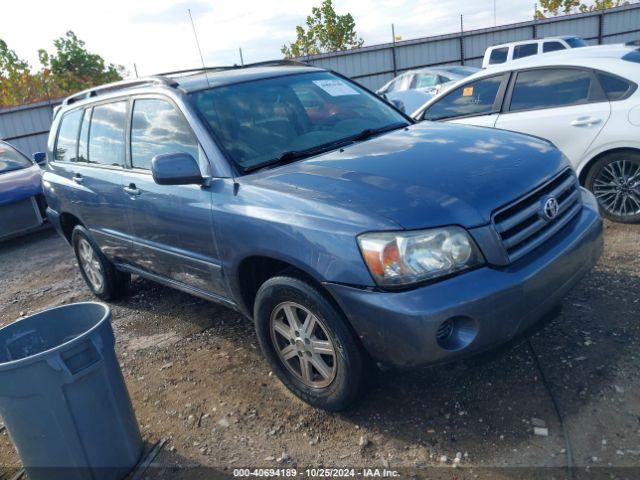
{"points": [[615, 181], [97, 271], [308, 344]]}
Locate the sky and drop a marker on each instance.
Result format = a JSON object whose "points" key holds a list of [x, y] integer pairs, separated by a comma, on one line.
{"points": [[156, 35]]}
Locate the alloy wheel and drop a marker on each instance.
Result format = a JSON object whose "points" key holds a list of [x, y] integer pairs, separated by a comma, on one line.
{"points": [[303, 344], [90, 264], [617, 187]]}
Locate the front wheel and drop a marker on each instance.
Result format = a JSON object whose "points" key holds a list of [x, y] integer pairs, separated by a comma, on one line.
{"points": [[308, 344], [615, 181]]}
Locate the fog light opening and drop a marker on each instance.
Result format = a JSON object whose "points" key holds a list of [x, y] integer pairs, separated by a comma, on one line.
{"points": [[456, 333]]}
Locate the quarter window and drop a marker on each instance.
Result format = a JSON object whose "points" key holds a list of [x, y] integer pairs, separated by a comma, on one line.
{"points": [[477, 98], [548, 88], [106, 134], [157, 128], [614, 87], [498, 55], [526, 50], [68, 137], [552, 47]]}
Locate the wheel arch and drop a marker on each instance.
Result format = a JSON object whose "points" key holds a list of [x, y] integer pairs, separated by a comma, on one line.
{"points": [[583, 169], [68, 222]]}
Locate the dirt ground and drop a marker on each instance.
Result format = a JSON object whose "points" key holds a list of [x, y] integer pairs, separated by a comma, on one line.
{"points": [[197, 379]]}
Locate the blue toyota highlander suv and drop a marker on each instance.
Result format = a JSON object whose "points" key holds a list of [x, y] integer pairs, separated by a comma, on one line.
{"points": [[348, 234]]}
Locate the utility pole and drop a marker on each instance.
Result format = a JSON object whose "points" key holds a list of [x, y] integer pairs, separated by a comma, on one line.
{"points": [[241, 58], [135, 69], [393, 50]]}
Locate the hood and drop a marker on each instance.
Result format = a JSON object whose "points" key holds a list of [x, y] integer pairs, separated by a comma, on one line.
{"points": [[20, 184], [430, 174]]}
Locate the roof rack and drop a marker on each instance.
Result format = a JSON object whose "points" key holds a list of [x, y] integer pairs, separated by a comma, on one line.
{"points": [[111, 87], [268, 63]]}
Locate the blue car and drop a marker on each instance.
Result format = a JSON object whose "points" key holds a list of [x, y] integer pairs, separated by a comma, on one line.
{"points": [[349, 235], [22, 204]]}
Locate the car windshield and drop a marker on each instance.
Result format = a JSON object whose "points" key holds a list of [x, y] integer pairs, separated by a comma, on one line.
{"points": [[11, 160], [280, 119], [575, 42]]}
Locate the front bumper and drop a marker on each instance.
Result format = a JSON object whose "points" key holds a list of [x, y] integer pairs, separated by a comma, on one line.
{"points": [[486, 307]]}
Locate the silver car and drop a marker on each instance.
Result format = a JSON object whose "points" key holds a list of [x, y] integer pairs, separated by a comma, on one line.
{"points": [[412, 89]]}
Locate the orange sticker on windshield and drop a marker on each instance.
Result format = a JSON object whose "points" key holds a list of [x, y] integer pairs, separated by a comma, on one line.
{"points": [[467, 92]]}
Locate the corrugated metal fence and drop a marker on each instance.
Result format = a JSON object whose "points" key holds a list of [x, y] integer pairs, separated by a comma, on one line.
{"points": [[375, 65], [27, 126]]}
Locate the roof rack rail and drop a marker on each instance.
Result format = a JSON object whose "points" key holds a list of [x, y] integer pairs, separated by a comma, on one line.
{"points": [[114, 86], [268, 63]]}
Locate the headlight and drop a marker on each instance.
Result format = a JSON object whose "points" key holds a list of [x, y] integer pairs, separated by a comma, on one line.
{"points": [[402, 258]]}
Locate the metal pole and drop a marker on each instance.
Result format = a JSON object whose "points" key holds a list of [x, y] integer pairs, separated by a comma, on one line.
{"points": [[461, 41], [135, 69], [393, 50], [600, 27], [495, 16], [241, 58]]}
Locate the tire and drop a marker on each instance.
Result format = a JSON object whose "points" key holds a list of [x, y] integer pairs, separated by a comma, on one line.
{"points": [[333, 392], [114, 284], [600, 182]]}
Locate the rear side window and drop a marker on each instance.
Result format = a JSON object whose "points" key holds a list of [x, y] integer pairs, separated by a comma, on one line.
{"points": [[477, 98], [552, 47], [66, 142], [158, 128], [106, 134], [526, 50], [614, 87], [498, 55], [575, 42], [548, 88]]}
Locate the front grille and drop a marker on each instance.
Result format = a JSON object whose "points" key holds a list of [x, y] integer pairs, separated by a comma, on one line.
{"points": [[523, 226], [18, 217]]}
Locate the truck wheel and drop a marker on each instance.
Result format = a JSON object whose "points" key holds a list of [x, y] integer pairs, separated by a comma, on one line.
{"points": [[98, 272], [308, 344], [615, 181]]}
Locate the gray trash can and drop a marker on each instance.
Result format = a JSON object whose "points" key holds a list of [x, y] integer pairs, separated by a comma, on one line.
{"points": [[63, 398]]}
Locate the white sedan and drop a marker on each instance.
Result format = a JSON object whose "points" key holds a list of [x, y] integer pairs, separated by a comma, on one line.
{"points": [[585, 101]]}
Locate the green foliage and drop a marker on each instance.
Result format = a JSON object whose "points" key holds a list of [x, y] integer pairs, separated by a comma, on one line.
{"points": [[551, 8], [326, 32], [69, 69]]}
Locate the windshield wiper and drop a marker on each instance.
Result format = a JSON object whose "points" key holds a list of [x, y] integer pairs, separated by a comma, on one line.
{"points": [[371, 132], [292, 155]]}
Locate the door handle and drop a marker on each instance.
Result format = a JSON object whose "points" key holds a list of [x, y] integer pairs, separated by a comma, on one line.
{"points": [[586, 121], [132, 189], [78, 178]]}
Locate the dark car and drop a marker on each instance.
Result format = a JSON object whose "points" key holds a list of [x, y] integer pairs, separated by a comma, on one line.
{"points": [[22, 204], [349, 235]]}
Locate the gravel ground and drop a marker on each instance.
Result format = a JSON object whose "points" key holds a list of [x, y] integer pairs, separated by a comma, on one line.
{"points": [[197, 379]]}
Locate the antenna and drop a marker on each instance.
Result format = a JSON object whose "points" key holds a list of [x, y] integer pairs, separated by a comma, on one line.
{"points": [[195, 34]]}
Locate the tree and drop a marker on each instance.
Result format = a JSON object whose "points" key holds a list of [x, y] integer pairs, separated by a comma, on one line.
{"points": [[326, 32], [73, 68], [552, 8], [17, 84]]}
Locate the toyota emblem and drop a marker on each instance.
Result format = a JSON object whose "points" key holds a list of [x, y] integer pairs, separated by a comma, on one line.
{"points": [[550, 208]]}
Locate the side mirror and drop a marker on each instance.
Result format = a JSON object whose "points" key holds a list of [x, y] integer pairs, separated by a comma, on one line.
{"points": [[40, 158], [176, 169], [399, 104]]}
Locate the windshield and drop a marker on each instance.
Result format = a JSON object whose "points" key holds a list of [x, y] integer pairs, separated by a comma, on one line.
{"points": [[11, 159], [261, 121], [575, 42]]}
